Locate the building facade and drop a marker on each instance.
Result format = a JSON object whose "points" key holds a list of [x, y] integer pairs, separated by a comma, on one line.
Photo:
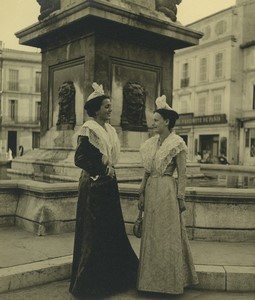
{"points": [[20, 100], [214, 86]]}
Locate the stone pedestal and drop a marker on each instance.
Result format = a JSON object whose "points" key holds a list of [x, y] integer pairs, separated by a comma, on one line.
{"points": [[112, 42]]}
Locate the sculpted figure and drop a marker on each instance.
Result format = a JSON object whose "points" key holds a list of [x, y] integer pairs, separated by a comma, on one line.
{"points": [[133, 113], [47, 7], [168, 7], [66, 115]]}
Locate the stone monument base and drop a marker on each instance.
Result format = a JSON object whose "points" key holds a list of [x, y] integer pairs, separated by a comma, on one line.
{"points": [[45, 209]]}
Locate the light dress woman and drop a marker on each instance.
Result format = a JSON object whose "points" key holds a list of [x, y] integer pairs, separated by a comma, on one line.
{"points": [[166, 264]]}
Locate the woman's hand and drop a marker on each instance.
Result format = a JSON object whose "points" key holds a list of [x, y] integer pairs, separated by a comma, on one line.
{"points": [[111, 171], [182, 205], [141, 202]]}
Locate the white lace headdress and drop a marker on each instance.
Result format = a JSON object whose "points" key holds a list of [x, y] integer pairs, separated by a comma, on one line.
{"points": [[98, 91], [162, 104]]}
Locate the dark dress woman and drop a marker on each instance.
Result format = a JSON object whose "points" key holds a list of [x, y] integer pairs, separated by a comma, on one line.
{"points": [[104, 262]]}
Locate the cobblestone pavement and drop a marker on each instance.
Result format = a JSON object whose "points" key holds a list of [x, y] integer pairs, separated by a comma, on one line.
{"points": [[59, 291]]}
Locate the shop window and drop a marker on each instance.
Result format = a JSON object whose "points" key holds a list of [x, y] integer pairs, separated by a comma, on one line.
{"points": [[223, 146], [252, 142], [36, 140]]}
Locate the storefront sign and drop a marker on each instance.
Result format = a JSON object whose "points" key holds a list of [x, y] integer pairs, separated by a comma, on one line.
{"points": [[203, 120]]}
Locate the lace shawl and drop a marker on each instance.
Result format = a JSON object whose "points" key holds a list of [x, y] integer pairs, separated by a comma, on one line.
{"points": [[160, 157], [105, 140]]}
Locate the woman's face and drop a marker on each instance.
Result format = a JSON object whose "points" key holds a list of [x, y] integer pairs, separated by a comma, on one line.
{"points": [[104, 113], [160, 125]]}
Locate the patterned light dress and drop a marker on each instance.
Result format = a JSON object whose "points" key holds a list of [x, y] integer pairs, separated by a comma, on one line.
{"points": [[166, 264]]}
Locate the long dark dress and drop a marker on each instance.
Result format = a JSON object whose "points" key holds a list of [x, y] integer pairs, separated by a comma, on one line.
{"points": [[103, 259]]}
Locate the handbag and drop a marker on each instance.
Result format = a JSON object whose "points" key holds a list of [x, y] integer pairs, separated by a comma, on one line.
{"points": [[137, 227]]}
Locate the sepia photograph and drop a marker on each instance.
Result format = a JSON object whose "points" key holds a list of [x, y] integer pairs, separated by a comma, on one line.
{"points": [[127, 149]]}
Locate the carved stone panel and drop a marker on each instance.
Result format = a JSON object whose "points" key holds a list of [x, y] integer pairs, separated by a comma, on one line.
{"points": [[66, 95], [134, 88], [133, 112], [66, 114]]}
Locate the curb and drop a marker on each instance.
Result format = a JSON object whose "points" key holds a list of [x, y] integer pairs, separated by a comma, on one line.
{"points": [[216, 278], [28, 275]]}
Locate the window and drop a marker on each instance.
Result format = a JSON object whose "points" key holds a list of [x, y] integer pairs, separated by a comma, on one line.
{"points": [[185, 75], [37, 111], [13, 80], [253, 98], [217, 103], [252, 142], [38, 76], [221, 27], [185, 70], [35, 140], [13, 107], [247, 137], [203, 69], [184, 104], [201, 103], [219, 65]]}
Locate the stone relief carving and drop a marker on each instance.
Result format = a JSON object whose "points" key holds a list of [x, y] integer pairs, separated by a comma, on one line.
{"points": [[133, 116], [168, 7], [47, 7], [66, 115]]}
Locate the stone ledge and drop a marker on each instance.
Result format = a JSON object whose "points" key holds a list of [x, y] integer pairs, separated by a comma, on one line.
{"points": [[221, 278], [240, 278], [37, 273], [52, 206], [220, 235], [125, 14], [210, 277], [220, 192]]}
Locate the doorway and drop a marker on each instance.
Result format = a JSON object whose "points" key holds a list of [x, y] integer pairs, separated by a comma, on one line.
{"points": [[12, 142], [209, 147], [185, 138]]}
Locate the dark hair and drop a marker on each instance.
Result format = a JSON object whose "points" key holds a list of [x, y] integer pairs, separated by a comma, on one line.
{"points": [[167, 114], [93, 105]]}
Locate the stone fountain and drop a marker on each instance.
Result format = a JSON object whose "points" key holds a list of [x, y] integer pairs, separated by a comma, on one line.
{"points": [[128, 47]]}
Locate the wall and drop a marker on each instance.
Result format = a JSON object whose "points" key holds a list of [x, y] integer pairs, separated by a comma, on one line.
{"points": [[212, 214]]}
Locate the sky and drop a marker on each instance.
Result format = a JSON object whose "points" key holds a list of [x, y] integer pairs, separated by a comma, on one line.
{"points": [[16, 15]]}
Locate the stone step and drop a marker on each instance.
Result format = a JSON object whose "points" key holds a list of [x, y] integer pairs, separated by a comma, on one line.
{"points": [[37, 273], [29, 260], [218, 278]]}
